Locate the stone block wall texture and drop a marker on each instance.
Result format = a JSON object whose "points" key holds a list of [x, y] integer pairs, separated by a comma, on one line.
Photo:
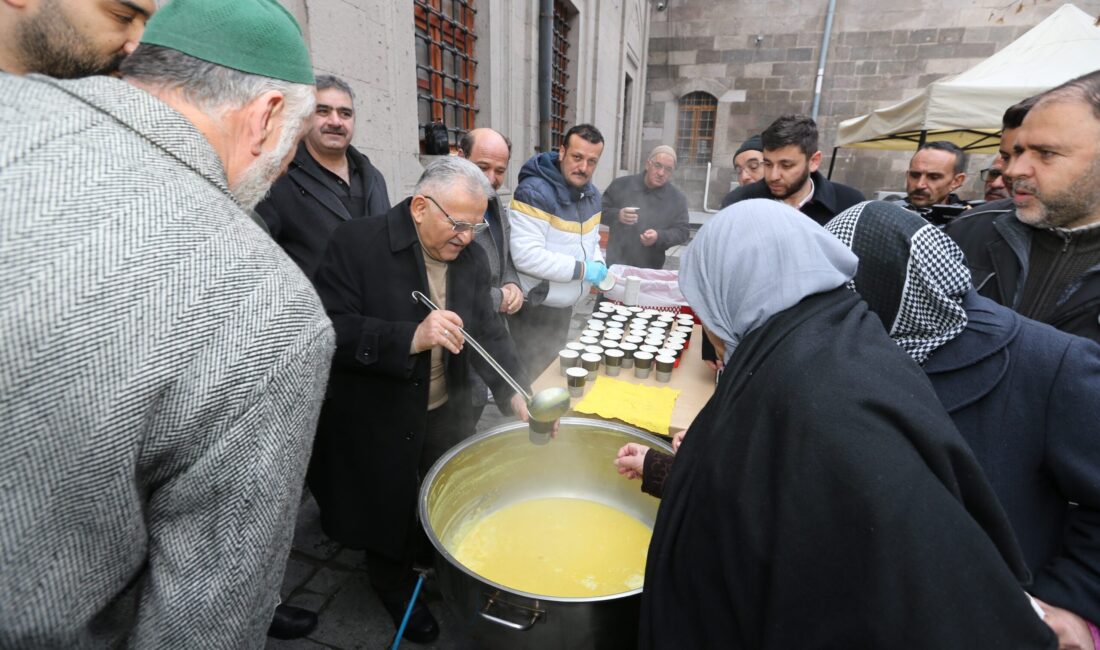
{"points": [[763, 54], [370, 44]]}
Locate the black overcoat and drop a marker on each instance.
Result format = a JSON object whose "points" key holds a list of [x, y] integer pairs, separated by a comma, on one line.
{"points": [[823, 499], [301, 212], [364, 470]]}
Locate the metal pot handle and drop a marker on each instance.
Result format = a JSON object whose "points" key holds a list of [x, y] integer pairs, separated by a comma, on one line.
{"points": [[491, 600]]}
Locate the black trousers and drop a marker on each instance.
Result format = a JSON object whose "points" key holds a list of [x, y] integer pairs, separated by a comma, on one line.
{"points": [[393, 577], [539, 332]]}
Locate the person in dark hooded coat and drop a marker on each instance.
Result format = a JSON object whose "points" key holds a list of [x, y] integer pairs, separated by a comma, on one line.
{"points": [[823, 498], [1022, 394]]}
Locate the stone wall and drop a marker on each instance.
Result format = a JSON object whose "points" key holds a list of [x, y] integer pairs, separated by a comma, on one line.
{"points": [[370, 44], [760, 57]]}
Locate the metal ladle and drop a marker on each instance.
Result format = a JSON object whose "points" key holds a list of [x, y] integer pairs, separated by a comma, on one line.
{"points": [[548, 405]]}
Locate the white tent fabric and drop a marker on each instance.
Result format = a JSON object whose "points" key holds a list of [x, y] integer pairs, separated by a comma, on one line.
{"points": [[966, 109]]}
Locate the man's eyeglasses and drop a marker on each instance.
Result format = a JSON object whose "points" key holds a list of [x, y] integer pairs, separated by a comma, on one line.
{"points": [[990, 174], [751, 165], [459, 226], [661, 168]]}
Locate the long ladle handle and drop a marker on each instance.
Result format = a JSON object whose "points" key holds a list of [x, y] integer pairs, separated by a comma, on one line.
{"points": [[422, 299]]}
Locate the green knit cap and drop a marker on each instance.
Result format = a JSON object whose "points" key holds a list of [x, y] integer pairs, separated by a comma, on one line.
{"points": [[255, 36]]}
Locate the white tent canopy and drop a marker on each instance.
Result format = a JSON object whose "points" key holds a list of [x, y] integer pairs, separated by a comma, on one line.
{"points": [[966, 109]]}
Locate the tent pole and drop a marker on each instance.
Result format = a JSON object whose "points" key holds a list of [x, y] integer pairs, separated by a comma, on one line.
{"points": [[923, 138], [832, 162], [822, 58]]}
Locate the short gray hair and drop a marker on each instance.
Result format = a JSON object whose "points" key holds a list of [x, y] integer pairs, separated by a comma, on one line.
{"points": [[210, 87], [326, 81], [443, 174], [662, 149]]}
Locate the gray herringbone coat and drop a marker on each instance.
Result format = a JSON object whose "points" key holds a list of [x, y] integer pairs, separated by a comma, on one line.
{"points": [[161, 368]]}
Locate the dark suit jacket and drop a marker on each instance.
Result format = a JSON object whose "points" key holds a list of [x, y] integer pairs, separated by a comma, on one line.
{"points": [[997, 246], [829, 199], [365, 459], [301, 212], [1024, 396], [501, 269]]}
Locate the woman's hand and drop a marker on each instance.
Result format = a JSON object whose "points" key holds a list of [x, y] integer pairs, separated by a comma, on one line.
{"points": [[630, 460]]}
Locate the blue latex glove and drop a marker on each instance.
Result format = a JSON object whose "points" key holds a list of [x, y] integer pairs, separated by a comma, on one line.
{"points": [[594, 272]]}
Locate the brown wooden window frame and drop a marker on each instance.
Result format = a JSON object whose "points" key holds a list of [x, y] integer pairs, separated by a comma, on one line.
{"points": [[695, 125], [450, 96]]}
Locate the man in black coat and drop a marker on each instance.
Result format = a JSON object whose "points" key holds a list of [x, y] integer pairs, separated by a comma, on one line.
{"points": [[328, 182], [1042, 258], [791, 160], [397, 397], [645, 213]]}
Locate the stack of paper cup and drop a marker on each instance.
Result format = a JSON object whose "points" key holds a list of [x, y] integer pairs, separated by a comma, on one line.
{"points": [[630, 292]]}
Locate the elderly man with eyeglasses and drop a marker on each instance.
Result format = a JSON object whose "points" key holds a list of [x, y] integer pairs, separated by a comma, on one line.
{"points": [[645, 213], [398, 394]]}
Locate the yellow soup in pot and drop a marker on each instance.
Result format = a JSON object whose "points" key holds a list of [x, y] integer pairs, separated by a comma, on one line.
{"points": [[568, 548]]}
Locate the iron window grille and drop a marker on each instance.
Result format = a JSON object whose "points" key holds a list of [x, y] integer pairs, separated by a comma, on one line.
{"points": [[445, 65]]}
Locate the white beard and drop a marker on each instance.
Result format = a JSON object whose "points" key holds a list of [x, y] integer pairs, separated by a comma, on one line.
{"points": [[255, 182]]}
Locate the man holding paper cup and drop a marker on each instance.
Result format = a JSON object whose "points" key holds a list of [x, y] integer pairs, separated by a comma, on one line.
{"points": [[645, 213]]}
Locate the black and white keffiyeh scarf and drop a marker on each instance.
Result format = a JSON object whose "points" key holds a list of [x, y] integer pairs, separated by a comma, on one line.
{"points": [[910, 273]]}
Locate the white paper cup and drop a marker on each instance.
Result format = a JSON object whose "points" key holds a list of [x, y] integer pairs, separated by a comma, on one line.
{"points": [[664, 365], [576, 377], [576, 346], [628, 350], [643, 363], [630, 292], [589, 340], [612, 361], [567, 359], [593, 349], [590, 361]]}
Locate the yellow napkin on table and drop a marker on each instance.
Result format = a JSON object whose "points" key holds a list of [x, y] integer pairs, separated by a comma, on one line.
{"points": [[643, 406]]}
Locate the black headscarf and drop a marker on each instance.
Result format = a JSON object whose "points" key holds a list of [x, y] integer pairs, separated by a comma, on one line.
{"points": [[910, 273]]}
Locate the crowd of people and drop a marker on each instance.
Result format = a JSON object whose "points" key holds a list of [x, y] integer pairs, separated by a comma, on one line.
{"points": [[209, 302]]}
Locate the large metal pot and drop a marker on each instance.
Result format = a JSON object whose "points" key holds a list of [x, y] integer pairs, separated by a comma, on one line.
{"points": [[500, 467]]}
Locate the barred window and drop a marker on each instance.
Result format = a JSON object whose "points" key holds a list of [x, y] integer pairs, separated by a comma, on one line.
{"points": [[559, 90], [695, 128], [445, 65]]}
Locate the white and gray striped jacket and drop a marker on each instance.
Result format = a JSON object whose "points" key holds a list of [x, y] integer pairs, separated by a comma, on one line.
{"points": [[162, 364]]}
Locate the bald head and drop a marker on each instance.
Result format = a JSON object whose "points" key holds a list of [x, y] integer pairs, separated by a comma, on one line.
{"points": [[488, 150]]}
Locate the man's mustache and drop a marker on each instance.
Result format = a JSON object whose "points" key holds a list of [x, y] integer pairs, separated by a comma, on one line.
{"points": [[335, 131]]}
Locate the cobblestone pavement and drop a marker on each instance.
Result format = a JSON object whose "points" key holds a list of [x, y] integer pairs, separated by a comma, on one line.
{"points": [[332, 581]]}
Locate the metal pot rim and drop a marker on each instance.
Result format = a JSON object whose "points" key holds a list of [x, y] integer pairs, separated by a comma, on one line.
{"points": [[429, 480]]}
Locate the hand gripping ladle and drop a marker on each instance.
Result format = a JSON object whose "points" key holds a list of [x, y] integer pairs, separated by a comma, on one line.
{"points": [[547, 406]]}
